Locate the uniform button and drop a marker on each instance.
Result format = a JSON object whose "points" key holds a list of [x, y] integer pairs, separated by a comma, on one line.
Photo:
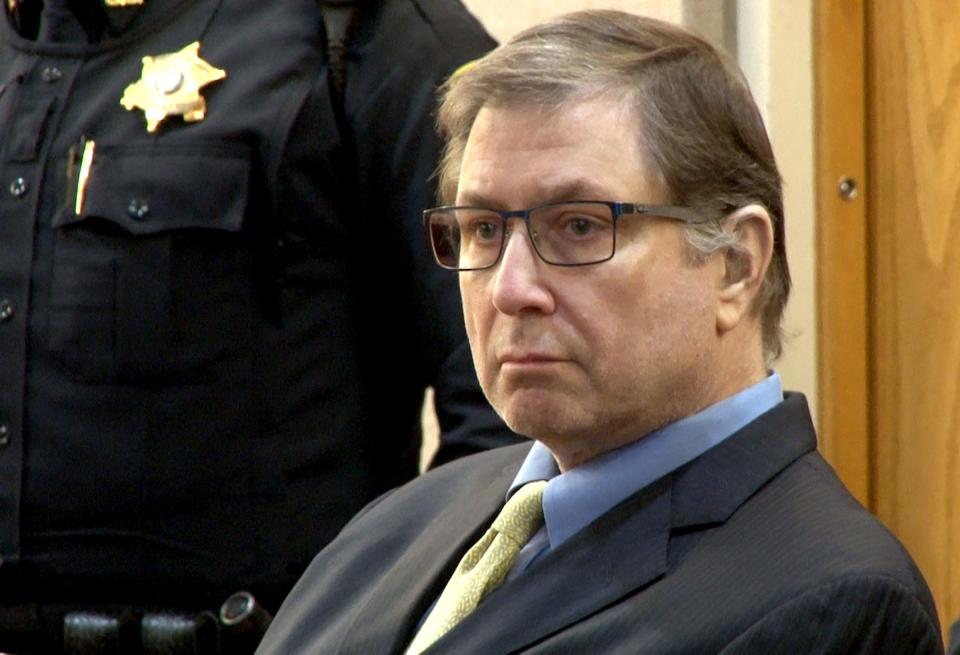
{"points": [[51, 74], [6, 310], [138, 209], [4, 436], [18, 187]]}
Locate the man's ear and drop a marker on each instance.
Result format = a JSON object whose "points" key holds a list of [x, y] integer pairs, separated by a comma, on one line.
{"points": [[744, 264]]}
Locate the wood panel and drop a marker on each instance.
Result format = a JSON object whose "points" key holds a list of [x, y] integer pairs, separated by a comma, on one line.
{"points": [[914, 165], [840, 119]]}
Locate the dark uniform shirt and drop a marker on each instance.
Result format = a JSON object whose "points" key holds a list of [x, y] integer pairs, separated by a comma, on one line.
{"points": [[220, 357]]}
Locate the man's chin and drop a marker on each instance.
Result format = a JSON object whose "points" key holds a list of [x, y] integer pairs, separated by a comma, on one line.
{"points": [[539, 413]]}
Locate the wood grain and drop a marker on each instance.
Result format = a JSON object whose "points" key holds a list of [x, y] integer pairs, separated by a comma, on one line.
{"points": [[842, 337], [914, 163]]}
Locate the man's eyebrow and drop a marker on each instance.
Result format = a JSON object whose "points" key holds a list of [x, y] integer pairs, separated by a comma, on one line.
{"points": [[476, 200], [579, 189]]}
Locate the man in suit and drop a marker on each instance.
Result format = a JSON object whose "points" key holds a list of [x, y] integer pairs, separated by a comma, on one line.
{"points": [[615, 215]]}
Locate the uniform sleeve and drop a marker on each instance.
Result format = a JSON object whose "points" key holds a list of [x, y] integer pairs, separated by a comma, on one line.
{"points": [[402, 52], [860, 615]]}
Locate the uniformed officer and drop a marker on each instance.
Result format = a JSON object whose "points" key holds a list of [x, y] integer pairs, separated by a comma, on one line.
{"points": [[217, 313]]}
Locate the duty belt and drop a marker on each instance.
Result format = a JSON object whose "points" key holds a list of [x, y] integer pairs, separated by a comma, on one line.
{"points": [[236, 630]]}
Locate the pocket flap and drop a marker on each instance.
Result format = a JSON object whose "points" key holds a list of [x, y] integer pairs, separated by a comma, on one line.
{"points": [[160, 190]]}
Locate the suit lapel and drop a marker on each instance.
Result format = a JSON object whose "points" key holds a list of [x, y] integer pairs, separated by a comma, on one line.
{"points": [[627, 549], [622, 552], [713, 486], [388, 622]]}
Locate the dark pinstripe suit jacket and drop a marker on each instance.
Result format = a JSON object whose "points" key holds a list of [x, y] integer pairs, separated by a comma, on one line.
{"points": [[755, 547]]}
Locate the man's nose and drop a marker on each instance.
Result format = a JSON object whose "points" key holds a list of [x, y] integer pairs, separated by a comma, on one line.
{"points": [[520, 279]]}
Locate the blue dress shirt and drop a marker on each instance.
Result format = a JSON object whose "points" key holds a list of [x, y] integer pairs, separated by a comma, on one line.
{"points": [[576, 498]]}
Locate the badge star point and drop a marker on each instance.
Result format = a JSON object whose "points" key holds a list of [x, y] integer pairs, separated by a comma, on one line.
{"points": [[170, 85]]}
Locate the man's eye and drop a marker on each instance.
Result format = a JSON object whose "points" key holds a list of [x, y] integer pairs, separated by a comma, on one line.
{"points": [[582, 226], [486, 230]]}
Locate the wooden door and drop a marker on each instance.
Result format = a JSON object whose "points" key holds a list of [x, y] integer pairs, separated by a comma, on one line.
{"points": [[899, 270], [914, 161]]}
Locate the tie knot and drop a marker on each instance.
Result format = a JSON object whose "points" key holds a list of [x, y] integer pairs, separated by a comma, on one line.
{"points": [[522, 516]]}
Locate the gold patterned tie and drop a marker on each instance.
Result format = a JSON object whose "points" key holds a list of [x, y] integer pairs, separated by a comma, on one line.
{"points": [[485, 566]]}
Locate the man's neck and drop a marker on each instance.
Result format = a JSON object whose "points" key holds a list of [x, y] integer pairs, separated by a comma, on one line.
{"points": [[571, 453]]}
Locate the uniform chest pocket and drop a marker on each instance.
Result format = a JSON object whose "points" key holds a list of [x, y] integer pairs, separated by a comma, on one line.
{"points": [[151, 279]]}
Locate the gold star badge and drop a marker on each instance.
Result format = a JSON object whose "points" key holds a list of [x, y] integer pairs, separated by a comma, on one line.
{"points": [[170, 86]]}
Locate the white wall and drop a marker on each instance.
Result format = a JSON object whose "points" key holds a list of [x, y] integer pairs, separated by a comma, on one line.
{"points": [[775, 51], [504, 18]]}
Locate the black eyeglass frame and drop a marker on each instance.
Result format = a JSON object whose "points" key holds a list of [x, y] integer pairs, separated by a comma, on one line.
{"points": [[617, 209]]}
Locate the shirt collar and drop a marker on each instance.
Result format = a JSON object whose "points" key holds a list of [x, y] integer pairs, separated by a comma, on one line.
{"points": [[576, 498]]}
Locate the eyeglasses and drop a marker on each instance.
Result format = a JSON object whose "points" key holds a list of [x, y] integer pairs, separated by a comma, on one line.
{"points": [[573, 233]]}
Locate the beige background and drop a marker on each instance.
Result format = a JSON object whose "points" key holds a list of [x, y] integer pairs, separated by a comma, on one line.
{"points": [[772, 42]]}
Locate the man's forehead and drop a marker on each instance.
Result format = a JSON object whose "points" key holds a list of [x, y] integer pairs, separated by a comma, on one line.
{"points": [[587, 150], [545, 190], [573, 119]]}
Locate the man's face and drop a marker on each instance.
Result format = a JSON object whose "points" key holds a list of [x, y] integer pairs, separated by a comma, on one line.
{"points": [[584, 359]]}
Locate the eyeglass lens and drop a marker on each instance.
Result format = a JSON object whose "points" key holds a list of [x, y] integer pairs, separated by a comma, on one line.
{"points": [[562, 233]]}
